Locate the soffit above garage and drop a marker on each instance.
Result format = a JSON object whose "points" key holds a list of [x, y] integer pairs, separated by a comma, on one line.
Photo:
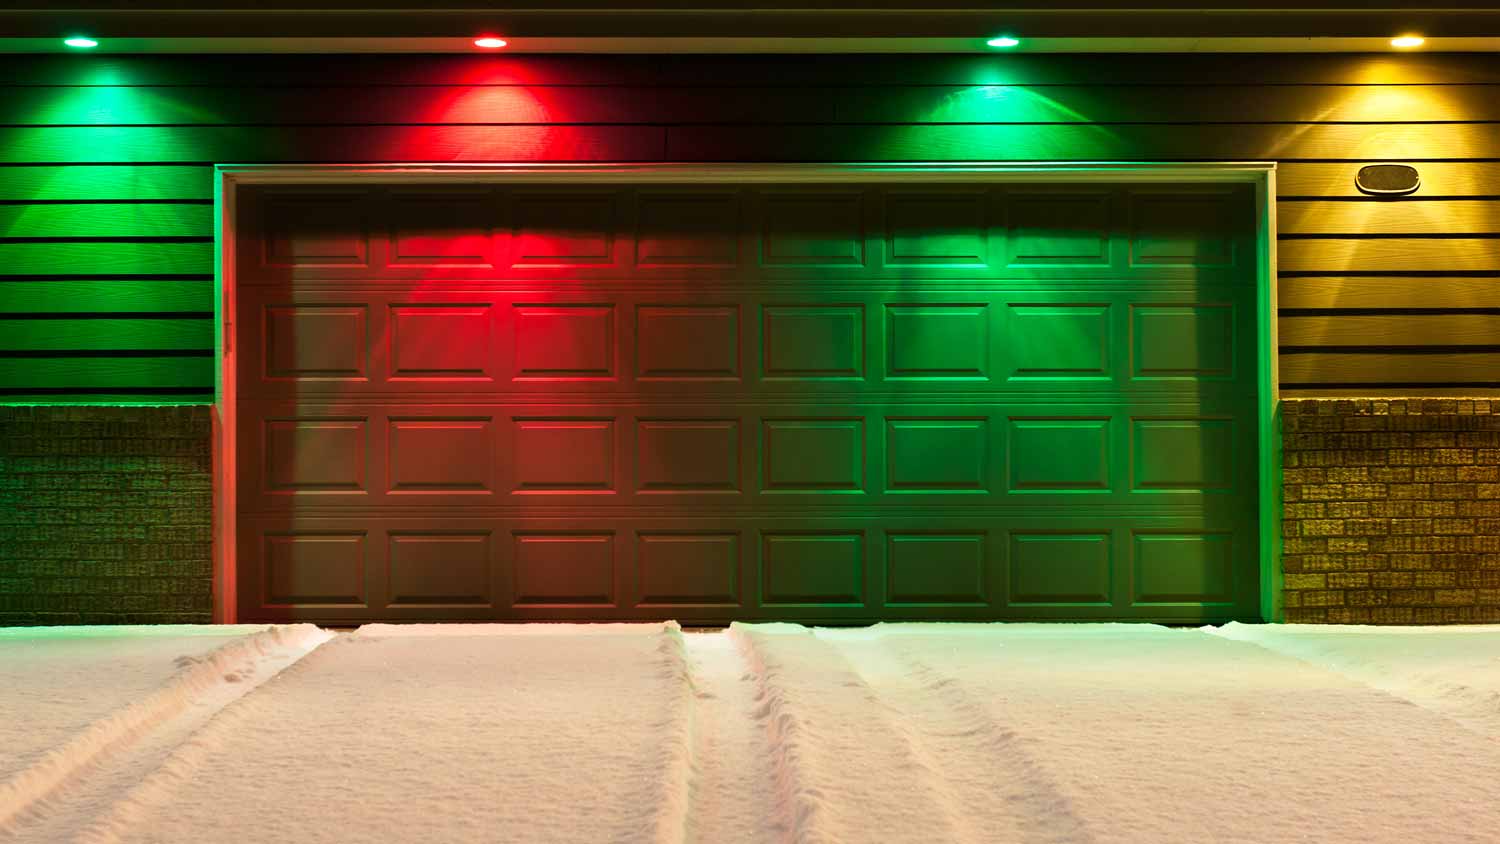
{"points": [[749, 26]]}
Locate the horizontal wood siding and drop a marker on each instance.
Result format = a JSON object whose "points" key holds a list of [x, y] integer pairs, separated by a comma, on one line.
{"points": [[106, 222]]}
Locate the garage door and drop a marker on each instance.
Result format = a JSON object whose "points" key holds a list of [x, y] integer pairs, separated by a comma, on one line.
{"points": [[816, 402]]}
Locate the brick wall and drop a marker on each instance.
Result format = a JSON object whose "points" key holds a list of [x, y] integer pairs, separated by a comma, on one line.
{"points": [[105, 515], [1392, 511]]}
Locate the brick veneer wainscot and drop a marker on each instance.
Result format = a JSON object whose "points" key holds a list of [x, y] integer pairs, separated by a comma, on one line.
{"points": [[105, 515], [1392, 510]]}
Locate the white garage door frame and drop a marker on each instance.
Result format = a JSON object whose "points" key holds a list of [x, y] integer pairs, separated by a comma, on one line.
{"points": [[1262, 174]]}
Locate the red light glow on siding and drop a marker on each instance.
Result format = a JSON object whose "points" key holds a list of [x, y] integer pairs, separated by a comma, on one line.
{"points": [[489, 42]]}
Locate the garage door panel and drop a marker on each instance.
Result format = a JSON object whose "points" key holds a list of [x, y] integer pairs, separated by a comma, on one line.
{"points": [[828, 232], [1076, 454], [564, 455], [433, 568], [936, 569], [430, 229], [823, 568], [747, 276], [448, 345], [292, 569], [938, 226], [504, 343], [362, 455], [684, 569], [303, 455], [687, 343], [1055, 227], [441, 455], [680, 456], [822, 402]]}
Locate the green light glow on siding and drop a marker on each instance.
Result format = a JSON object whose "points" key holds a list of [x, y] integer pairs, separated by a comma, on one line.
{"points": [[1003, 41], [80, 42]]}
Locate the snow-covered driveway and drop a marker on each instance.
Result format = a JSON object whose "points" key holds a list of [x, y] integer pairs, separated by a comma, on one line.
{"points": [[919, 733]]}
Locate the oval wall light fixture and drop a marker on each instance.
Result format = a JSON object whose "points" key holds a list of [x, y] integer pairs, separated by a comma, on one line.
{"points": [[1388, 179], [80, 42], [1406, 42], [1003, 41], [489, 42]]}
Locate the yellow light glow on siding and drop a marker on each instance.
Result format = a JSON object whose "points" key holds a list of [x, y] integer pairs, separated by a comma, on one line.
{"points": [[1406, 42]]}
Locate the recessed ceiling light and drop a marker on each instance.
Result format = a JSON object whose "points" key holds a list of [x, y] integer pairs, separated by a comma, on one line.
{"points": [[1406, 42], [80, 42], [489, 42], [1003, 41]]}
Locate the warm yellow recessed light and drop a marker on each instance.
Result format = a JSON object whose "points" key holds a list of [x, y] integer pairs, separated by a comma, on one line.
{"points": [[1406, 42]]}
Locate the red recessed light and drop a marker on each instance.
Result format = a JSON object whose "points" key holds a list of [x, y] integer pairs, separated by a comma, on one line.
{"points": [[489, 42]]}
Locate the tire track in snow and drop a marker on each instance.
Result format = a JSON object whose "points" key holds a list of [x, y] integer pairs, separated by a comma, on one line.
{"points": [[673, 805], [36, 791], [733, 799], [845, 767], [1001, 780]]}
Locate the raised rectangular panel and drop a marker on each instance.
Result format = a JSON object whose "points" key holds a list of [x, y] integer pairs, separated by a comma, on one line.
{"points": [[936, 229], [937, 342], [433, 455], [1182, 341], [1055, 455], [316, 342], [1187, 568], [688, 342], [315, 230], [688, 455], [813, 341], [813, 229], [565, 569], [688, 230], [696, 569], [564, 455], [937, 455], [563, 230], [817, 569], [1182, 454], [565, 342], [813, 455], [929, 568], [1060, 569], [315, 456], [1196, 230], [440, 569], [1059, 342], [440, 342], [324, 569], [442, 230], [1059, 230]]}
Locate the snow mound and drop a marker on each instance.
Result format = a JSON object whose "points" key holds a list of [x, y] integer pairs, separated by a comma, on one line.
{"points": [[1451, 670]]}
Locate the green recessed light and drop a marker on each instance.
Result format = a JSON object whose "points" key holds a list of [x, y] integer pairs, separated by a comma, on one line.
{"points": [[80, 42], [1003, 41]]}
